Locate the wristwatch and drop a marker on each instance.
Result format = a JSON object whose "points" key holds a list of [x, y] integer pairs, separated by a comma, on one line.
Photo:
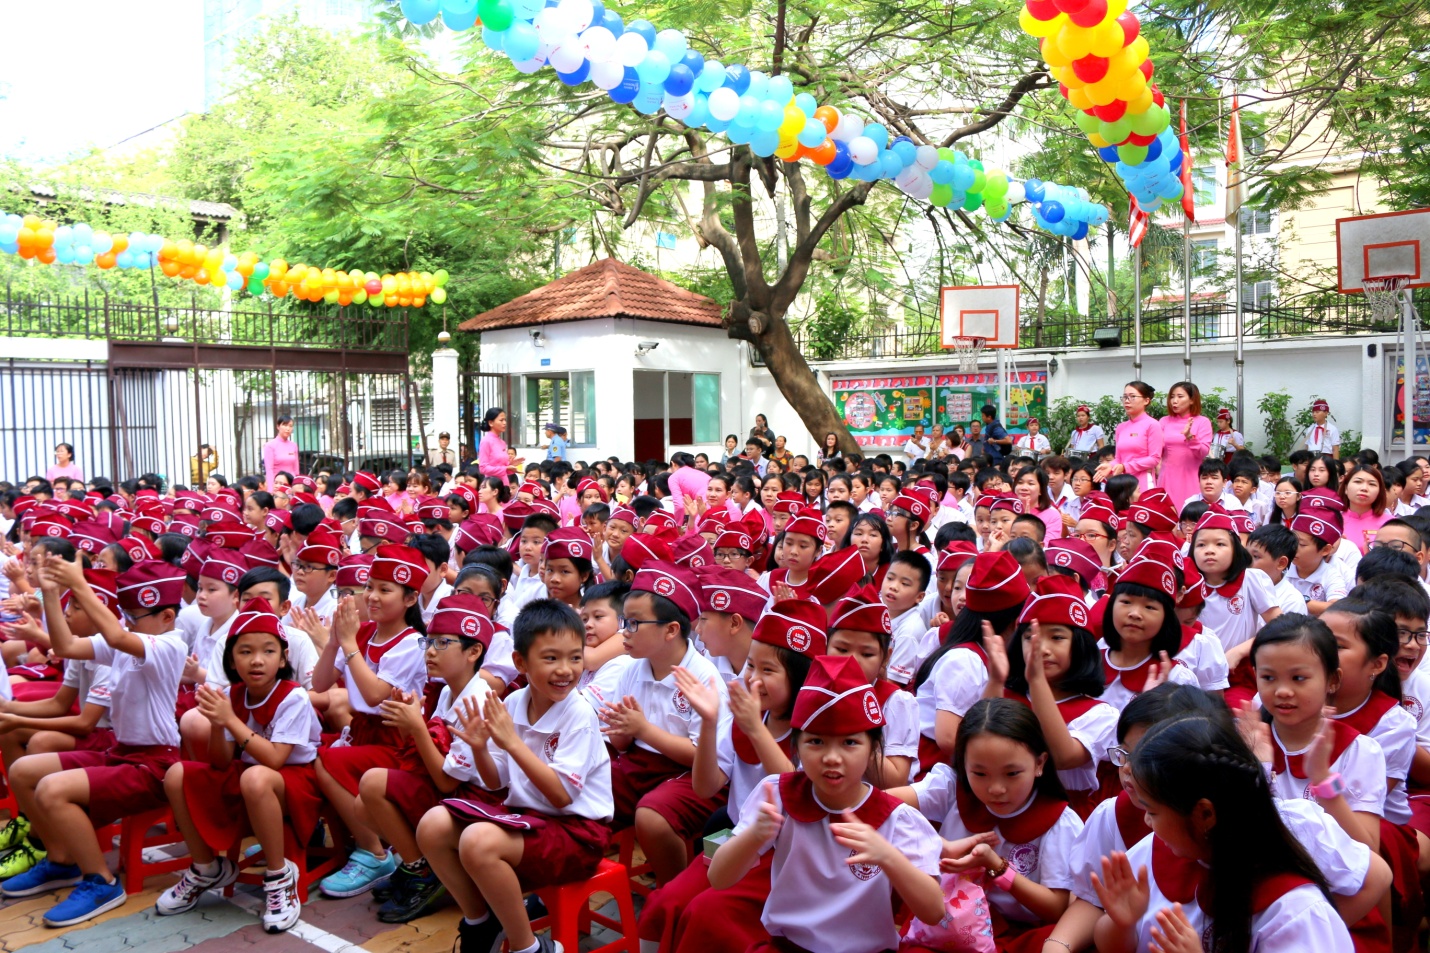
{"points": [[1004, 880], [1330, 788]]}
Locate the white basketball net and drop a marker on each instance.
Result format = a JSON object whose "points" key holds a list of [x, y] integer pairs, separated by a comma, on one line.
{"points": [[1384, 295], [966, 350]]}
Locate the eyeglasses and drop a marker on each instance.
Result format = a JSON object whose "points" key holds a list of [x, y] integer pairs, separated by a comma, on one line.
{"points": [[725, 555], [1087, 536], [1129, 397], [1396, 544], [1418, 636], [439, 643], [309, 567], [1119, 756], [634, 625]]}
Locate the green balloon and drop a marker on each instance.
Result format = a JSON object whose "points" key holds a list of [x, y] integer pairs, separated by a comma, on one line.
{"points": [[975, 164], [1132, 155], [261, 270], [996, 209], [996, 186], [972, 202], [255, 285], [376, 300], [440, 276], [496, 15], [945, 152], [1151, 122], [980, 179], [941, 195], [1086, 123], [1117, 132], [438, 296], [359, 296]]}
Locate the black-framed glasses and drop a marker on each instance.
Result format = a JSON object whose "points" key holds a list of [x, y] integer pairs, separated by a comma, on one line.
{"points": [[310, 567], [1418, 636], [1397, 544], [634, 625], [438, 642]]}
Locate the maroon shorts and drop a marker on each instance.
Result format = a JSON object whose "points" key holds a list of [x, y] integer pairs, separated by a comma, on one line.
{"points": [[38, 692], [98, 739], [636, 772], [216, 804], [556, 849], [126, 779], [187, 701], [685, 811], [413, 793], [1419, 809]]}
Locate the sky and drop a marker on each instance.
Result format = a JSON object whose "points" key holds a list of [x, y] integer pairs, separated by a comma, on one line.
{"points": [[85, 73]]}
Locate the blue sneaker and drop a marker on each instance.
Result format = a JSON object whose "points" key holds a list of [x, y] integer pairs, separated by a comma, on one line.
{"points": [[362, 872], [44, 876], [90, 897]]}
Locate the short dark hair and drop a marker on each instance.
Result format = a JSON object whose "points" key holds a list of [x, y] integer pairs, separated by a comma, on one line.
{"points": [[497, 557], [665, 611], [262, 574], [1028, 519], [1383, 561], [988, 410], [306, 517], [953, 532], [1166, 701], [544, 617], [1396, 595], [1210, 467], [1276, 539], [597, 511], [433, 548], [541, 521], [918, 561]]}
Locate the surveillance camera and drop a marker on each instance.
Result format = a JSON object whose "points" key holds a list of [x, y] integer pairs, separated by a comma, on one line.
{"points": [[535, 333], [648, 345]]}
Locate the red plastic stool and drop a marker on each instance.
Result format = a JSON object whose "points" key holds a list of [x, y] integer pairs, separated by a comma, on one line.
{"points": [[569, 912], [134, 836], [313, 864]]}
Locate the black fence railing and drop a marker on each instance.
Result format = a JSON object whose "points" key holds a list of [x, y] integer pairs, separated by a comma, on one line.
{"points": [[1210, 323], [357, 328]]}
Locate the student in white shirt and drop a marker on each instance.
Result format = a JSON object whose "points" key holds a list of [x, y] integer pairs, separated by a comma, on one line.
{"points": [[1032, 444], [905, 584], [1312, 572], [1225, 441], [1087, 437], [1322, 436], [1272, 549], [315, 574]]}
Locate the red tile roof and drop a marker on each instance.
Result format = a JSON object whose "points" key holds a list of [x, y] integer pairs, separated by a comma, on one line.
{"points": [[605, 289]]}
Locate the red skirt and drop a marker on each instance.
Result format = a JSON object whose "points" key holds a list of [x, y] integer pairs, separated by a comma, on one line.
{"points": [[930, 754], [1241, 687], [374, 745], [556, 849], [187, 701], [634, 773], [1012, 937], [413, 793], [1419, 809], [126, 779], [216, 804], [38, 692], [722, 921], [685, 811], [1401, 850]]}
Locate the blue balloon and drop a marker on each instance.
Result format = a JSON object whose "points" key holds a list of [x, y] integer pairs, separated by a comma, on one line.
{"points": [[680, 81], [1081, 231], [611, 20], [739, 134], [841, 170], [1033, 189], [759, 85], [1053, 212], [643, 28], [1108, 153], [890, 164], [459, 19], [693, 61], [577, 76], [737, 77], [598, 10], [866, 173], [765, 142], [1154, 151], [963, 177], [942, 172], [626, 91], [905, 149], [716, 126], [878, 133], [699, 113], [812, 134], [807, 104], [649, 99], [654, 68], [521, 41], [527, 9], [780, 89], [419, 12], [770, 116], [899, 139]]}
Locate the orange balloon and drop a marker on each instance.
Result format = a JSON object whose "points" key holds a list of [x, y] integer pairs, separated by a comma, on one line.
{"points": [[47, 255], [106, 260], [26, 236], [201, 277], [169, 267], [390, 301], [170, 251], [189, 271], [121, 242], [27, 252], [419, 301], [279, 289], [827, 115], [344, 298], [824, 153]]}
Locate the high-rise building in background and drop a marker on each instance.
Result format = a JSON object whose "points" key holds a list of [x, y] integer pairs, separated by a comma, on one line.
{"points": [[228, 22]]}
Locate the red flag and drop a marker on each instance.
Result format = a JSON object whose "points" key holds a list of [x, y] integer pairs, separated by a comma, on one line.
{"points": [[1137, 221], [1189, 206], [1235, 182]]}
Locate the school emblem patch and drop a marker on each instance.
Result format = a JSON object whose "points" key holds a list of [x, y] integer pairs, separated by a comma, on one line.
{"points": [[148, 597], [664, 586], [1236, 604], [469, 627], [548, 747], [798, 637], [720, 601], [871, 707], [1414, 706], [402, 575], [230, 575], [681, 703], [1078, 613], [1024, 858], [1062, 558], [1318, 592], [863, 871], [886, 620]]}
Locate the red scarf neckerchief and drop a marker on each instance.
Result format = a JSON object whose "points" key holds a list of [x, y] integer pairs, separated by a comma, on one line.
{"points": [[1133, 679], [1070, 708], [263, 714], [1281, 761], [1131, 820], [367, 646], [801, 591], [1226, 590], [745, 748], [1365, 718], [797, 795], [1181, 881], [1026, 826], [1189, 635], [884, 690]]}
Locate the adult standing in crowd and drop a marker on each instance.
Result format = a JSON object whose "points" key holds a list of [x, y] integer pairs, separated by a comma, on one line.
{"points": [[762, 430], [555, 445], [687, 481], [1087, 437], [492, 457], [1138, 439], [995, 437], [280, 455], [64, 464], [202, 464], [443, 453], [1186, 438], [917, 446], [829, 449], [780, 454]]}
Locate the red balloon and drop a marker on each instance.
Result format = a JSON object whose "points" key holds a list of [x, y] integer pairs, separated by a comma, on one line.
{"points": [[1157, 97], [1063, 88], [1067, 6], [1090, 69], [1136, 140], [1091, 15], [1146, 68], [1043, 9], [1131, 27], [1112, 112], [373, 287]]}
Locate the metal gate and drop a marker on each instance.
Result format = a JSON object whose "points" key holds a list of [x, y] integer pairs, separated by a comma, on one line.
{"points": [[480, 391], [44, 403]]}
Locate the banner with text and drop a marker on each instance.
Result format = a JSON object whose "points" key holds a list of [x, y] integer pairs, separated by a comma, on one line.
{"points": [[883, 411]]}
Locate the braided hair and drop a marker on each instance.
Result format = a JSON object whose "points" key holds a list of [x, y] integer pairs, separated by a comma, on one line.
{"points": [[1194, 759]]}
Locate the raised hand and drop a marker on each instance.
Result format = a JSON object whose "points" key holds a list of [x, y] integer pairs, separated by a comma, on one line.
{"points": [[403, 711], [214, 704], [704, 700], [499, 724], [310, 622], [767, 825], [1318, 756], [745, 705], [471, 727], [625, 717], [782, 591], [863, 840], [1033, 669], [346, 623], [1157, 672], [1255, 732], [27, 629], [997, 652], [1123, 895], [1174, 933]]}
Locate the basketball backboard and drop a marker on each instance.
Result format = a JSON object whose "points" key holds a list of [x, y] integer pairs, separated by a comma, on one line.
{"points": [[1381, 246], [989, 312]]}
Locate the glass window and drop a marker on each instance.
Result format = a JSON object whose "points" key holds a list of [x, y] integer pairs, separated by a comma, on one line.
{"points": [[1204, 184], [706, 389], [1204, 257], [583, 407], [1255, 221], [546, 401]]}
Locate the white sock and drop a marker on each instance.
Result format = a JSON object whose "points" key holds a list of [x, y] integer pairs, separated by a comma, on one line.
{"points": [[530, 949], [481, 919], [209, 869]]}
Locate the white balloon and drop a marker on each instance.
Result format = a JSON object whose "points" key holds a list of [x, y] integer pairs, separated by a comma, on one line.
{"points": [[567, 54], [926, 157], [530, 66], [850, 127], [863, 150], [724, 103], [679, 107], [922, 187], [577, 12], [1016, 193], [600, 44], [631, 48], [607, 74], [549, 23]]}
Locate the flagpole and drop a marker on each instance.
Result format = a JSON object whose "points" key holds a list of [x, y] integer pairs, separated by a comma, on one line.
{"points": [[1240, 331], [1137, 312], [1187, 297]]}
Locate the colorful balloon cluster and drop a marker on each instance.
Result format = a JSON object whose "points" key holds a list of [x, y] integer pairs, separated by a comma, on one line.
{"points": [[656, 70], [1095, 50], [49, 243]]}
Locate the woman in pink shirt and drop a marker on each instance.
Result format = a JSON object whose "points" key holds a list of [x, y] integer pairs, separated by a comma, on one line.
{"points": [[1138, 439], [65, 465], [280, 453], [492, 457], [1186, 438], [1366, 509]]}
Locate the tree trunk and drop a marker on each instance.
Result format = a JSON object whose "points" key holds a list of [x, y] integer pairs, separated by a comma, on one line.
{"points": [[1042, 305]]}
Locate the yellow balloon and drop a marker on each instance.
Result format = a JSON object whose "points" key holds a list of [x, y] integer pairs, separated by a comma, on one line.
{"points": [[1133, 87], [1097, 140], [1075, 41], [218, 279], [1142, 103], [1101, 93], [1107, 39], [1138, 51], [1079, 98], [1067, 76], [787, 150], [1041, 28], [1115, 9], [1054, 56]]}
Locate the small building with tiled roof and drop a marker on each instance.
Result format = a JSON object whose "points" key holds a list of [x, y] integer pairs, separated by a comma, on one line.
{"points": [[630, 364]]}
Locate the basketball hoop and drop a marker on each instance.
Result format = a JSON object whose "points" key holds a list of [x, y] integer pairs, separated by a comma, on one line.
{"points": [[1384, 296], [967, 350]]}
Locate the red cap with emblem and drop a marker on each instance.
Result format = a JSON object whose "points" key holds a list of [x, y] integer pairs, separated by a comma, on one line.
{"points": [[1320, 404], [434, 508], [996, 582], [368, 481], [353, 571], [225, 566], [322, 549], [547, 507], [1321, 525], [106, 587], [836, 699], [1151, 574], [75, 510], [1192, 594], [1074, 555], [1242, 521], [734, 539], [384, 528], [1224, 414], [219, 512], [567, 543], [481, 530], [693, 552], [150, 585], [955, 554], [1161, 551], [257, 615], [1008, 503], [514, 514], [1157, 515], [730, 591], [1058, 601], [795, 624], [639, 550], [834, 574], [466, 493], [675, 583], [463, 615], [1214, 520], [152, 525], [1321, 498], [303, 497], [788, 502], [230, 534], [536, 490], [90, 537], [912, 505], [260, 552], [51, 524], [862, 612], [400, 564], [185, 525], [663, 524], [1102, 514], [807, 526], [589, 484], [626, 515]]}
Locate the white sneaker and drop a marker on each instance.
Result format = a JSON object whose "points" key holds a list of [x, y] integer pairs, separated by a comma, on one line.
{"points": [[184, 895], [281, 907]]}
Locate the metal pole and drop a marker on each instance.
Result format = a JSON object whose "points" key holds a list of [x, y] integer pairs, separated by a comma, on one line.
{"points": [[1111, 279], [1240, 333], [1409, 359], [1186, 298], [1137, 312]]}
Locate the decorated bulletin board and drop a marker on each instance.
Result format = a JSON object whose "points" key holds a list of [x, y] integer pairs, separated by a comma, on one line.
{"points": [[883, 411]]}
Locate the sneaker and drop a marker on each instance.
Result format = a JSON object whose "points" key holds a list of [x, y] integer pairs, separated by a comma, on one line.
{"points": [[14, 832], [417, 897], [281, 907], [90, 897], [19, 860], [184, 895], [360, 874], [43, 875], [484, 937]]}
